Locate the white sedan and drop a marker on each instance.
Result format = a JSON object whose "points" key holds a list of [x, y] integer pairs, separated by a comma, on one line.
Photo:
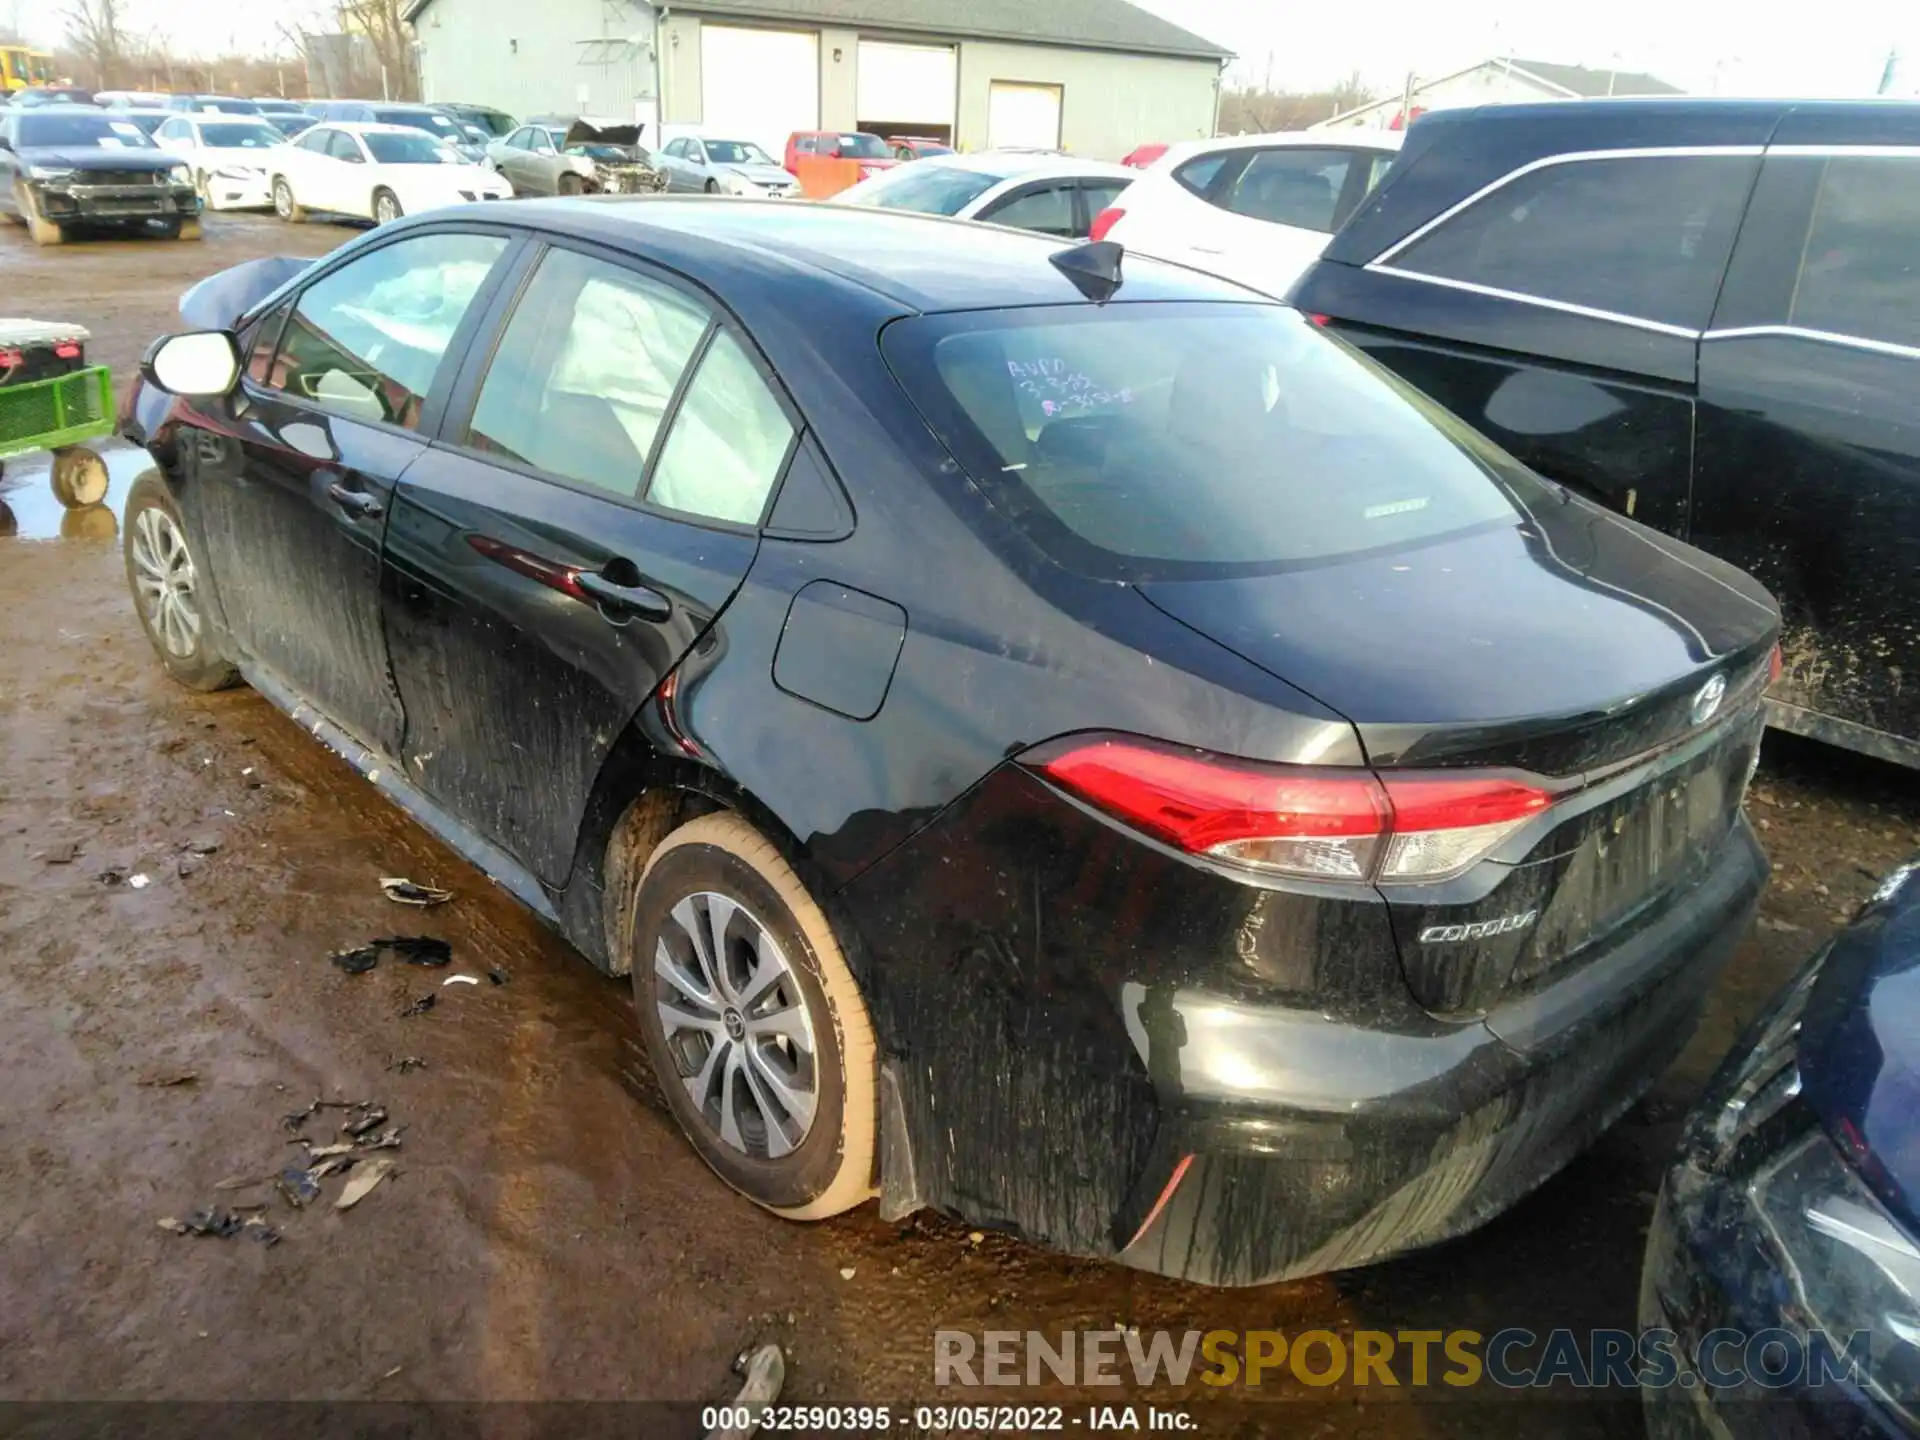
{"points": [[1051, 194], [230, 156], [375, 172], [1257, 209]]}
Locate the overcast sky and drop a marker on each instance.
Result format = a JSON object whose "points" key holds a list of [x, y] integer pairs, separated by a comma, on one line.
{"points": [[1837, 47]]}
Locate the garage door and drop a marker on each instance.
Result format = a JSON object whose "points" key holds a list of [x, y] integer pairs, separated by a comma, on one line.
{"points": [[759, 85], [1027, 116], [906, 89]]}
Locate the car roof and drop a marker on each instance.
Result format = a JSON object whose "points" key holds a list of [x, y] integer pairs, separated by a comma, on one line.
{"points": [[368, 127], [1452, 154], [1010, 164], [921, 263], [1280, 140]]}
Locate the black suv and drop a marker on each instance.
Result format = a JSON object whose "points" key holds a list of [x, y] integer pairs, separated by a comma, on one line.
{"points": [[1704, 313]]}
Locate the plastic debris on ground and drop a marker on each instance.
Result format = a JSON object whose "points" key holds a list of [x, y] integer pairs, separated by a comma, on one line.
{"points": [[365, 1177], [419, 1007], [497, 975], [65, 853], [459, 980], [407, 892], [138, 882], [371, 1117], [765, 1371], [356, 961], [219, 1223], [297, 1186], [407, 1064], [169, 1080], [427, 950]]}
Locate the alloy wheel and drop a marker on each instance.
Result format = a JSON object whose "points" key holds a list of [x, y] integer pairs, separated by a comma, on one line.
{"points": [[737, 1025], [164, 582], [282, 199], [386, 210]]}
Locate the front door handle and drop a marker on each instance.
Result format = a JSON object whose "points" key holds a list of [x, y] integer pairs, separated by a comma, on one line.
{"points": [[641, 600], [356, 501]]}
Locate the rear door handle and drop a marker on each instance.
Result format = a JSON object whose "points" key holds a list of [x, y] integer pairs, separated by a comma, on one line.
{"points": [[647, 603], [356, 501]]}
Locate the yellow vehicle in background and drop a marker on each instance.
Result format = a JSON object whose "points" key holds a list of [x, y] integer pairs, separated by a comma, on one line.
{"points": [[21, 67]]}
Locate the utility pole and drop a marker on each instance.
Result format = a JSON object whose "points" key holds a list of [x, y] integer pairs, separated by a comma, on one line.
{"points": [[1886, 75]]}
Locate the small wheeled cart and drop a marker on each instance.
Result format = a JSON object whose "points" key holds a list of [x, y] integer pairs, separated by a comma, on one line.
{"points": [[51, 399]]}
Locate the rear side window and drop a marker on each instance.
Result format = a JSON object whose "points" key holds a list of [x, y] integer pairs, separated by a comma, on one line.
{"points": [[728, 443], [1174, 440], [366, 340], [1860, 272], [1646, 237], [1289, 187], [585, 372], [1047, 212], [1199, 175]]}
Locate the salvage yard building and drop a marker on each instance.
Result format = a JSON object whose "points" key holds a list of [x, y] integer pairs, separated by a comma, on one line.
{"points": [[1094, 77]]}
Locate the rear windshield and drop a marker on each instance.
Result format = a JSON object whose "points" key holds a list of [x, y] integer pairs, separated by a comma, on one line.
{"points": [[928, 189], [1164, 441], [222, 105], [108, 132], [861, 146]]}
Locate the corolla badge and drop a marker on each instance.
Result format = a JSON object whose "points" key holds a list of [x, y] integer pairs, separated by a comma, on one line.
{"points": [[1706, 700], [1479, 930]]}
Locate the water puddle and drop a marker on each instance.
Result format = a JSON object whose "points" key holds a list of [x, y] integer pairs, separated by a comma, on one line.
{"points": [[29, 511]]}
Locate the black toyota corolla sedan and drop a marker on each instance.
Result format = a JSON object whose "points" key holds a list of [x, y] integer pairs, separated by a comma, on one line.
{"points": [[1051, 736]]}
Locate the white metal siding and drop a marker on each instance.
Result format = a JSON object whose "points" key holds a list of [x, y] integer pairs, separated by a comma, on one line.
{"points": [[759, 85], [906, 84]]}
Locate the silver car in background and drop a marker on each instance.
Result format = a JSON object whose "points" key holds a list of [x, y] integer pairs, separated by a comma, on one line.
{"points": [[720, 166]]}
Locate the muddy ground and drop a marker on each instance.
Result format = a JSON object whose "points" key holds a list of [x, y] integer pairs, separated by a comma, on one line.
{"points": [[548, 1235]]}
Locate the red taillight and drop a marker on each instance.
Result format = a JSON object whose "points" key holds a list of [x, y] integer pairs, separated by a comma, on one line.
{"points": [[1324, 823], [1105, 221], [67, 350], [11, 359], [1774, 665], [1321, 320]]}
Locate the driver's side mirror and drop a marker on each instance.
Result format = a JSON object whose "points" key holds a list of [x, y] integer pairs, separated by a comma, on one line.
{"points": [[199, 365]]}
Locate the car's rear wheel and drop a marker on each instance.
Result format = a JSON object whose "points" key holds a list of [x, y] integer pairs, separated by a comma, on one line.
{"points": [[386, 207], [284, 205], [755, 1026], [570, 185], [713, 187], [166, 583]]}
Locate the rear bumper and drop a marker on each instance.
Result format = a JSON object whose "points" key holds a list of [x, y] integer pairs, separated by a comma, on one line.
{"points": [[1360, 1144], [1071, 1019]]}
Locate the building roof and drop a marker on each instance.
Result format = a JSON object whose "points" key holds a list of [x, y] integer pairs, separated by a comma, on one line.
{"points": [[1082, 24], [1588, 84], [1567, 82]]}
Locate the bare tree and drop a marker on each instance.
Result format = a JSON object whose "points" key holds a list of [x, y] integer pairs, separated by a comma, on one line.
{"points": [[1250, 109], [95, 39]]}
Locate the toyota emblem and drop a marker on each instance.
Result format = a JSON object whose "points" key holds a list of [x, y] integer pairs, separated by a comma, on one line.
{"points": [[1706, 700]]}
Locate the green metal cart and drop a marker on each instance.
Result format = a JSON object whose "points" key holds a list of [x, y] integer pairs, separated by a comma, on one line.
{"points": [[51, 399]]}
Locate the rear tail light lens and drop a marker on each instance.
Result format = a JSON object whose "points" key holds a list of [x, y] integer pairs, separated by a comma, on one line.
{"points": [[1775, 664], [1105, 221], [1323, 824]]}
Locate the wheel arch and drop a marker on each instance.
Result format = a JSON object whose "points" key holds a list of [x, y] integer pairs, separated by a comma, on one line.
{"points": [[641, 795]]}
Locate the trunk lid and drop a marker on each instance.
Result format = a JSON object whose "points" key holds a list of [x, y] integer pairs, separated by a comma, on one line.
{"points": [[1620, 665]]}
